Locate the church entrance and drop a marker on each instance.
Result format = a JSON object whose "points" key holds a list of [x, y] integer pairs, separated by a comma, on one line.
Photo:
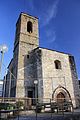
{"points": [[60, 97], [30, 96]]}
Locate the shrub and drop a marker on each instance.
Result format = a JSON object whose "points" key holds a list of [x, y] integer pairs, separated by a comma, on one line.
{"points": [[6, 106], [19, 104]]}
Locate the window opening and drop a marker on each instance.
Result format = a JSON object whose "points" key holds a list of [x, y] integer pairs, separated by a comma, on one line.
{"points": [[57, 64], [28, 56], [29, 27]]}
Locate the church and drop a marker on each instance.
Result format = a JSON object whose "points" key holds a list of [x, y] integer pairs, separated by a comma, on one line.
{"points": [[39, 72]]}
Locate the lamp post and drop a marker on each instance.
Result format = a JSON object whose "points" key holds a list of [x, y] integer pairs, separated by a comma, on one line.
{"points": [[4, 83], [36, 89], [36, 94], [3, 49]]}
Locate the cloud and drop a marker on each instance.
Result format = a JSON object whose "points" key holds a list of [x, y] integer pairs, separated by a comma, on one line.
{"points": [[50, 13], [51, 36]]}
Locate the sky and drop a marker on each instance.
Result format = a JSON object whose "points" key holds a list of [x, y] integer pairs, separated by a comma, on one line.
{"points": [[59, 25]]}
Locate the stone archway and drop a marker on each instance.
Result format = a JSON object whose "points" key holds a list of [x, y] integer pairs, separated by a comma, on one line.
{"points": [[61, 94]]}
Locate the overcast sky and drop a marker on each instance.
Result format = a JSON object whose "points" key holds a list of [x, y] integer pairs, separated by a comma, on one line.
{"points": [[59, 25]]}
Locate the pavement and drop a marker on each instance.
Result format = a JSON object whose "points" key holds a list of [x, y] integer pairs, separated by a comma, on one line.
{"points": [[48, 116], [76, 117], [31, 115]]}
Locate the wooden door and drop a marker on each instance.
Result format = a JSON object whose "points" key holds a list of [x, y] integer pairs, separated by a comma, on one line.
{"points": [[60, 97]]}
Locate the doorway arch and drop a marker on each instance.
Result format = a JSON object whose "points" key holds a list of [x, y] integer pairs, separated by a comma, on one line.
{"points": [[61, 94]]}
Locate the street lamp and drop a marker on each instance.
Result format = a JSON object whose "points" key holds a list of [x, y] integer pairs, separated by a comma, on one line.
{"points": [[36, 89], [3, 49]]}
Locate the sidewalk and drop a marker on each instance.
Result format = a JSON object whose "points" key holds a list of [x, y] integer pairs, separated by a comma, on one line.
{"points": [[77, 110], [48, 116]]}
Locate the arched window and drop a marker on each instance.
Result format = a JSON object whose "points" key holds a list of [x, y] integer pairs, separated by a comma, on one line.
{"points": [[29, 27], [57, 64]]}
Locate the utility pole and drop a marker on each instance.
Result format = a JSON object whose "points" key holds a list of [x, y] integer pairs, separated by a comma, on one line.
{"points": [[3, 49]]}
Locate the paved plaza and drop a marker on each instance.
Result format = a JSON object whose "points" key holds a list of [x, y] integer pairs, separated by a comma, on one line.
{"points": [[48, 116], [76, 117]]}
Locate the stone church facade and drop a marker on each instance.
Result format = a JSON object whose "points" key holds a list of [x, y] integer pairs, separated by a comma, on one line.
{"points": [[54, 71]]}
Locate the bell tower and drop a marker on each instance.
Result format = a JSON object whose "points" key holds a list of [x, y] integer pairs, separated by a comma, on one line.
{"points": [[26, 39], [27, 30]]}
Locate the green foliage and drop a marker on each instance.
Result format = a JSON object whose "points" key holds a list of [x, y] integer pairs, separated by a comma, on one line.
{"points": [[19, 104], [6, 106]]}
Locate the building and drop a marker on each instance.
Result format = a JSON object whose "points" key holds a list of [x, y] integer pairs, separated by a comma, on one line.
{"points": [[1, 88], [54, 71]]}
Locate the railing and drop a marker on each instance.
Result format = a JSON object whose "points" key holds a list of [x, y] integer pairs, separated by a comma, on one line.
{"points": [[24, 107]]}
